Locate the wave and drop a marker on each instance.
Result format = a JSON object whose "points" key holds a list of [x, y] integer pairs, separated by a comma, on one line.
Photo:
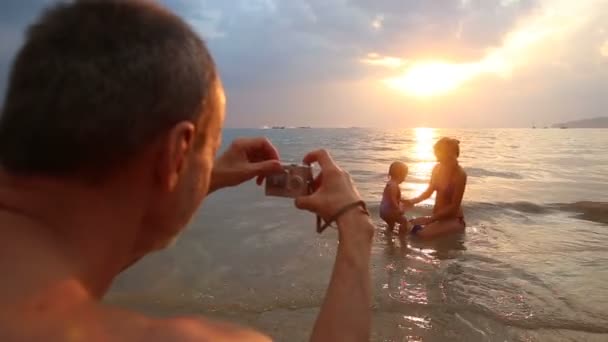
{"points": [[483, 173], [519, 206], [508, 294], [585, 210], [588, 210], [361, 173], [380, 148]]}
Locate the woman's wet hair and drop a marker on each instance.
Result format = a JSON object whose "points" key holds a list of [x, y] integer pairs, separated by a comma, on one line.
{"points": [[448, 144], [398, 170]]}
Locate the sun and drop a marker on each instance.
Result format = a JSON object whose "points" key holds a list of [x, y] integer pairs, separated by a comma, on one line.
{"points": [[426, 79]]}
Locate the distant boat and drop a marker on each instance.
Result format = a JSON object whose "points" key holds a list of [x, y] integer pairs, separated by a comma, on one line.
{"points": [[304, 127], [278, 127]]}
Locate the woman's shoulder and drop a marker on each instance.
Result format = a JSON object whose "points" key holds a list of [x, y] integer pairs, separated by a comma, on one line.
{"points": [[461, 174], [462, 171], [436, 169]]}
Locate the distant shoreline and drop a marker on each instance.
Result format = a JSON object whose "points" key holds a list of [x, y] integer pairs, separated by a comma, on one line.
{"points": [[599, 122], [410, 128]]}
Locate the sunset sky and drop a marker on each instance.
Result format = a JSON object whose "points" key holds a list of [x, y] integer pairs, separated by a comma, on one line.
{"points": [[392, 63]]}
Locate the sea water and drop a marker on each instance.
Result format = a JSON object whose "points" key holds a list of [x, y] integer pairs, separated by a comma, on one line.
{"points": [[532, 265]]}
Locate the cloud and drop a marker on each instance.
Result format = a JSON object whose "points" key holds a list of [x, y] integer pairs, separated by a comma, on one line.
{"points": [[15, 16], [266, 42], [436, 77], [378, 22], [278, 42], [320, 60], [207, 23]]}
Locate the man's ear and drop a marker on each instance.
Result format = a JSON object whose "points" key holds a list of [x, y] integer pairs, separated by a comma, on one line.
{"points": [[174, 152]]}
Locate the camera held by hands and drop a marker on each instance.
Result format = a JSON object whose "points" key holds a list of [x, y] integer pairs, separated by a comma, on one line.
{"points": [[293, 182]]}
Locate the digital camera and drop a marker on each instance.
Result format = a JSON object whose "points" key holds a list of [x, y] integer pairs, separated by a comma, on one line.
{"points": [[294, 181]]}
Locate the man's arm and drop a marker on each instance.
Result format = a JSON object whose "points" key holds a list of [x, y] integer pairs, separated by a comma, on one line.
{"points": [[346, 314]]}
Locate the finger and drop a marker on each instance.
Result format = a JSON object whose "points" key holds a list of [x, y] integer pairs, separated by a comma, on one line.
{"points": [[322, 157], [270, 151], [265, 168], [258, 149], [316, 183], [306, 203]]}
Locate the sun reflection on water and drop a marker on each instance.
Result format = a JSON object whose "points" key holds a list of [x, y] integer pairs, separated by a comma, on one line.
{"points": [[423, 158]]}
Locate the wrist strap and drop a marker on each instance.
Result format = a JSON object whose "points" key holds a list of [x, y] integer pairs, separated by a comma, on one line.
{"points": [[344, 210]]}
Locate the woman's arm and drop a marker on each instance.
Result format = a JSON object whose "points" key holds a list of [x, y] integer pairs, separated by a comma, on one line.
{"points": [[452, 210], [424, 196], [428, 192]]}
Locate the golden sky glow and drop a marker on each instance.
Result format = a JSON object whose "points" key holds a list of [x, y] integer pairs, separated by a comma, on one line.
{"points": [[376, 59], [604, 49], [425, 78]]}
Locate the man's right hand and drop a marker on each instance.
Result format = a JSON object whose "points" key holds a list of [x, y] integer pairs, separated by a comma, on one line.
{"points": [[332, 188]]}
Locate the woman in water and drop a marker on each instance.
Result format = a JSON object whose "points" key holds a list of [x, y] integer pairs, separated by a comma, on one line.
{"points": [[449, 180]]}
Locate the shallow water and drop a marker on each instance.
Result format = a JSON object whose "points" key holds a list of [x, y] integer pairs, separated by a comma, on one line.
{"points": [[532, 266]]}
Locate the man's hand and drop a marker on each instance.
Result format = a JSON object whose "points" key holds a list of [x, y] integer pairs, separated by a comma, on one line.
{"points": [[333, 187], [245, 159]]}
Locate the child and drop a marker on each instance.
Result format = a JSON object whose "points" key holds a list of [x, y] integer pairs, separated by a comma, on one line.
{"points": [[391, 210]]}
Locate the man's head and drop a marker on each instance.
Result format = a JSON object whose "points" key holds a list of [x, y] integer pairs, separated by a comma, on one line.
{"points": [[102, 84]]}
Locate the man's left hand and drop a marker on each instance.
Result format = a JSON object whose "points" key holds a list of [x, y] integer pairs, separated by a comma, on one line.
{"points": [[245, 159]]}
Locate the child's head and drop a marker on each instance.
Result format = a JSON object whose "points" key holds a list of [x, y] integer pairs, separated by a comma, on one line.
{"points": [[398, 171]]}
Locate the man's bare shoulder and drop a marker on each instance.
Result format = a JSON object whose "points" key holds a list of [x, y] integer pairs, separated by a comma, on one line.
{"points": [[175, 329], [200, 329], [95, 322]]}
